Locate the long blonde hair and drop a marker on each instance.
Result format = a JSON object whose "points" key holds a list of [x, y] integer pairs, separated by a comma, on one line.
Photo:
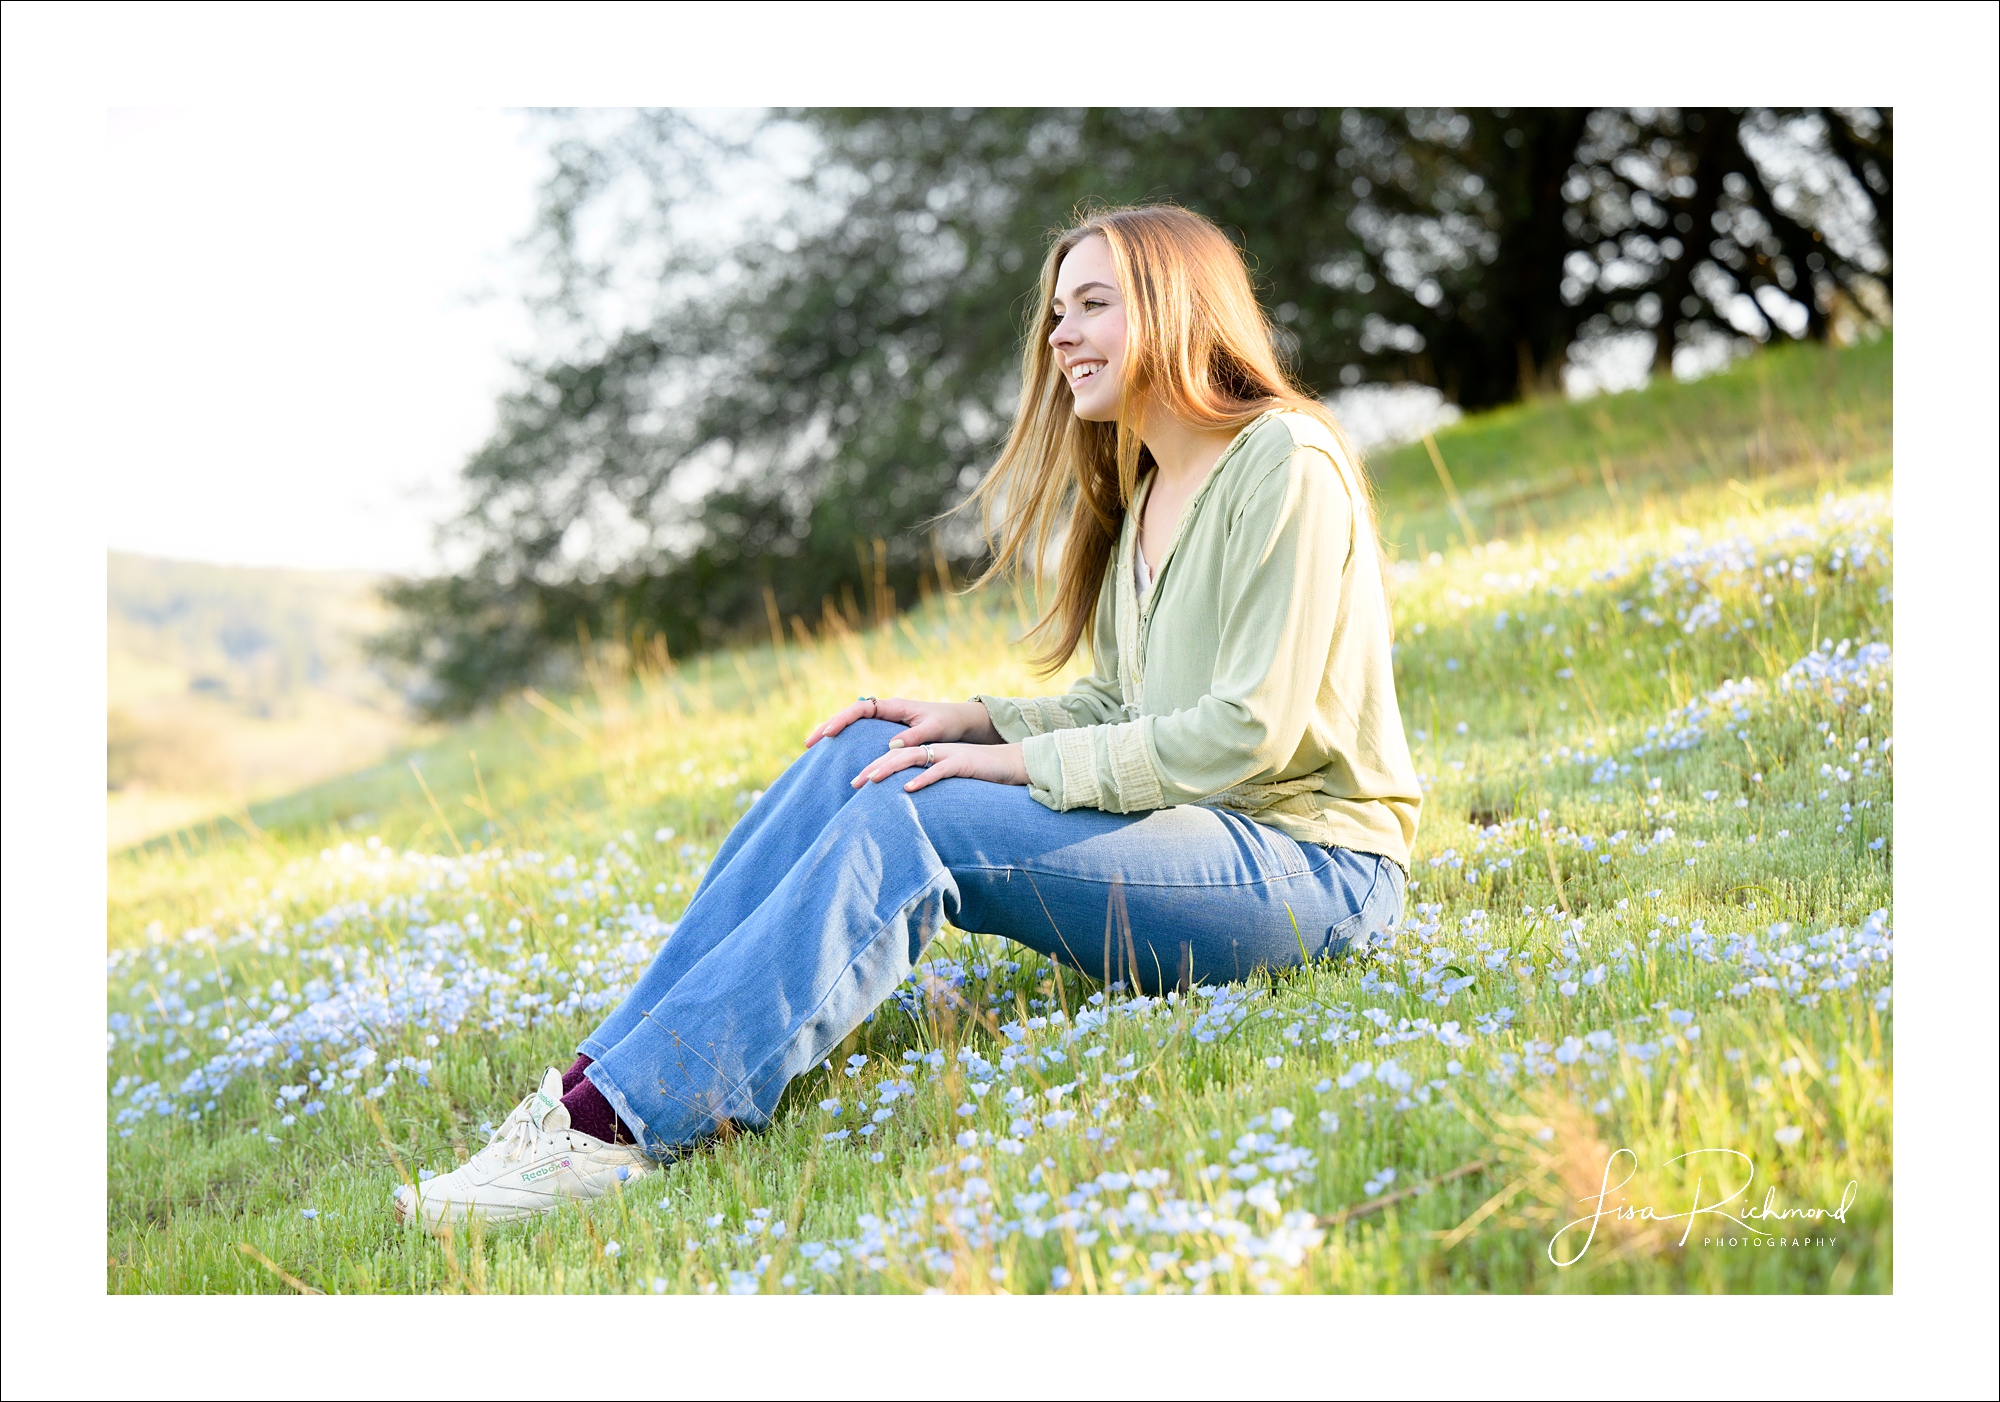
{"points": [[1197, 343]]}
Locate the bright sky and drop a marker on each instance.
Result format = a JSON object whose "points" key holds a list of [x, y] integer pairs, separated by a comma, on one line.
{"points": [[314, 312]]}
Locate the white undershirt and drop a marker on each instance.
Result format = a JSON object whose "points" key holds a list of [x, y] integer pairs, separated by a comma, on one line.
{"points": [[1144, 575]]}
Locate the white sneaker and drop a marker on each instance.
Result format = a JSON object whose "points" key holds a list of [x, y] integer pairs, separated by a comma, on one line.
{"points": [[534, 1162]]}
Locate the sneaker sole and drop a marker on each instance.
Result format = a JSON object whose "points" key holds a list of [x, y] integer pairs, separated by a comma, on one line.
{"points": [[410, 1208]]}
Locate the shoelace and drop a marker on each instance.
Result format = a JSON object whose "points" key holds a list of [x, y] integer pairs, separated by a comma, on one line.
{"points": [[515, 1138], [515, 1117]]}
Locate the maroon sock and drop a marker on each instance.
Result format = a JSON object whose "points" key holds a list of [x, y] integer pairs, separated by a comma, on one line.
{"points": [[573, 1077], [591, 1114]]}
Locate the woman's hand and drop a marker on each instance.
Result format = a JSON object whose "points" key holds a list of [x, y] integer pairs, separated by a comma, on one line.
{"points": [[928, 722], [996, 764]]}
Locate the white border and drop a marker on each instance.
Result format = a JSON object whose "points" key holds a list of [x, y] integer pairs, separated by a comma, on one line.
{"points": [[65, 64]]}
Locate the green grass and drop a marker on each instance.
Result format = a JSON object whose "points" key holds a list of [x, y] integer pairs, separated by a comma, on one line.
{"points": [[1586, 615], [1552, 466]]}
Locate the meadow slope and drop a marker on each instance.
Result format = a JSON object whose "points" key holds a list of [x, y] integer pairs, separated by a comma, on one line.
{"points": [[1644, 659]]}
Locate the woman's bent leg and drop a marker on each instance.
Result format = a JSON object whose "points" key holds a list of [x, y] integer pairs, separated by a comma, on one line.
{"points": [[1176, 897], [763, 846], [841, 927], [1180, 896]]}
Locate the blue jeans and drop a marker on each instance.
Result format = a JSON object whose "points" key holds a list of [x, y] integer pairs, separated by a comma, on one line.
{"points": [[823, 898]]}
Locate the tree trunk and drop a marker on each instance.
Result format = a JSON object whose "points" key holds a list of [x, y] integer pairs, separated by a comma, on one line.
{"points": [[1717, 126]]}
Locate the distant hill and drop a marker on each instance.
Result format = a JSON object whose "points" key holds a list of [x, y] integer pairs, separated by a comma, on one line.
{"points": [[229, 685]]}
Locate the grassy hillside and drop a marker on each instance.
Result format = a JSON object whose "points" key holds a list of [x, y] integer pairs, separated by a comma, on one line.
{"points": [[1775, 423], [1651, 912], [229, 685]]}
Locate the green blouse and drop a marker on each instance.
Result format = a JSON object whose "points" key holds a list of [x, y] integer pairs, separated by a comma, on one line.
{"points": [[1256, 674]]}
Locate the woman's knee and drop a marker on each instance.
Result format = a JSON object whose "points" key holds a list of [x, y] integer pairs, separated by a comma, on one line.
{"points": [[845, 754], [864, 737]]}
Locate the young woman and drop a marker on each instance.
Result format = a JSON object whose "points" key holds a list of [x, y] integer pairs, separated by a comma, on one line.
{"points": [[1229, 789]]}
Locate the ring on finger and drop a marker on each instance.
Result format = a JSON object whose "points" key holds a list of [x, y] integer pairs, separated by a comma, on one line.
{"points": [[930, 758]]}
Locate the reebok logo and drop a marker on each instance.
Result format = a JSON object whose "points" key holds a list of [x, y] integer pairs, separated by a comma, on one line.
{"points": [[544, 1170]]}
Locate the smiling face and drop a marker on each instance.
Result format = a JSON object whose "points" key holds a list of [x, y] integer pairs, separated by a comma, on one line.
{"points": [[1089, 336]]}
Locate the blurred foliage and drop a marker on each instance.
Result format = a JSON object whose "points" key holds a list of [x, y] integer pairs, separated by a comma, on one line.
{"points": [[771, 435]]}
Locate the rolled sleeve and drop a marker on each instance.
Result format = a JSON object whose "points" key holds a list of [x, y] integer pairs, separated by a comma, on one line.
{"points": [[1017, 718], [1054, 733], [1045, 773], [1098, 766]]}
